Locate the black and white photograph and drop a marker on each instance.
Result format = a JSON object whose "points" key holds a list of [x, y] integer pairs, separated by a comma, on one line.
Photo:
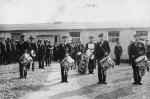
{"points": [[74, 49]]}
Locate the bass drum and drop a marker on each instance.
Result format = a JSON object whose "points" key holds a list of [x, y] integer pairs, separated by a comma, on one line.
{"points": [[83, 64]]}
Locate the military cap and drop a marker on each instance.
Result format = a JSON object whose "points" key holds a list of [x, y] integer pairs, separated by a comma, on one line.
{"points": [[100, 35], [64, 37]]}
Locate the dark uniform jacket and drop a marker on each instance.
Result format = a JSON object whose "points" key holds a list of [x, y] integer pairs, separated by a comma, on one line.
{"points": [[137, 49], [41, 50], [101, 49], [63, 50], [118, 50]]}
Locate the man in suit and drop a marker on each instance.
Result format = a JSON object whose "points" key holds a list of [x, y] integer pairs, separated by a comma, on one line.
{"points": [[137, 49], [90, 48], [41, 54], [102, 50], [118, 52], [63, 50]]}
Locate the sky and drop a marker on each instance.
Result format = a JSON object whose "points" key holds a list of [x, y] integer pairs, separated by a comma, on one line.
{"points": [[49, 11]]}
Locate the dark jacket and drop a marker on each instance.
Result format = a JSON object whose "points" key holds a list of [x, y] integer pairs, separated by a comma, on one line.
{"points": [[63, 50], [137, 49], [101, 49], [118, 50], [41, 50]]}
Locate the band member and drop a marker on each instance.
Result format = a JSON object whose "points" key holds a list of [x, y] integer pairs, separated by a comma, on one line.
{"points": [[102, 50], [89, 49], [41, 54], [118, 52], [137, 49], [34, 49], [129, 54], [63, 50], [22, 49], [47, 56]]}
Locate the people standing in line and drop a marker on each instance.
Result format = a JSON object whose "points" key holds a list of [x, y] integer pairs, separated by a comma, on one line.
{"points": [[102, 50], [90, 51], [129, 53], [137, 49], [118, 52], [63, 51]]}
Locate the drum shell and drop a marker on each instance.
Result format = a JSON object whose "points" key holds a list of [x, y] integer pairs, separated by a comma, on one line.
{"points": [[25, 59]]}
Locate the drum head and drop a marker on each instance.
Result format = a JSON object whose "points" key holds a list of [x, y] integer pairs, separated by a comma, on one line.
{"points": [[140, 58], [103, 59]]}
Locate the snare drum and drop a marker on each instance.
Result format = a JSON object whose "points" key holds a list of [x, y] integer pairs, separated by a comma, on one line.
{"points": [[106, 63], [141, 61], [25, 59], [67, 62]]}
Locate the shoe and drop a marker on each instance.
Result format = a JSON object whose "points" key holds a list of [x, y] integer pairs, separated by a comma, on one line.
{"points": [[99, 82], [66, 81], [134, 83], [104, 82], [139, 83], [62, 81]]}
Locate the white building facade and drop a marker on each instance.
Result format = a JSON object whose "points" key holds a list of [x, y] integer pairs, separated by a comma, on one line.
{"points": [[113, 34]]}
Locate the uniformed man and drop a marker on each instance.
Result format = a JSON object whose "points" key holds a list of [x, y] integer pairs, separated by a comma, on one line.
{"points": [[118, 52], [102, 50], [63, 50], [89, 50], [137, 49], [22, 49]]}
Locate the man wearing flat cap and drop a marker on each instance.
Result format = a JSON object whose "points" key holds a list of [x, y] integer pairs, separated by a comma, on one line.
{"points": [[102, 50], [137, 49], [89, 50], [63, 50]]}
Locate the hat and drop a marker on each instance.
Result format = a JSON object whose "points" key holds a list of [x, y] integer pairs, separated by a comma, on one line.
{"points": [[64, 37], [101, 35], [91, 36], [136, 35]]}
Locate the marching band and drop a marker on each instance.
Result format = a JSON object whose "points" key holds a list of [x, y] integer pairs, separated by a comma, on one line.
{"points": [[74, 54]]}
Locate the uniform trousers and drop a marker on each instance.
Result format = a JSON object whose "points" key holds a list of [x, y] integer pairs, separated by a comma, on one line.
{"points": [[91, 65], [137, 77], [64, 74], [101, 73]]}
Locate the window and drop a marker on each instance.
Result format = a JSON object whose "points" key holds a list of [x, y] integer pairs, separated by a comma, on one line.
{"points": [[143, 34], [16, 36], [75, 36], [113, 36]]}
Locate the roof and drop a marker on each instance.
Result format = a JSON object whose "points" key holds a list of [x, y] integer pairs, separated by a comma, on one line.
{"points": [[75, 25]]}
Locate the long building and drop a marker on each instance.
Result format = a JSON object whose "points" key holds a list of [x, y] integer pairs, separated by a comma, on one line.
{"points": [[113, 31]]}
